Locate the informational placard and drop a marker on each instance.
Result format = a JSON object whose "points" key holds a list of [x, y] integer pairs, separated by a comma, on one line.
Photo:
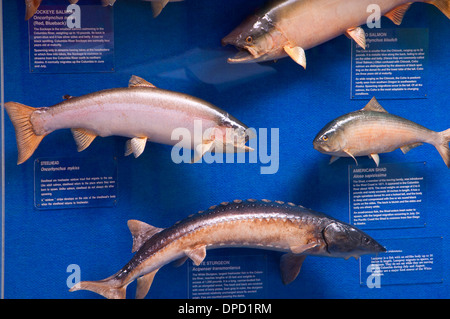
{"points": [[75, 183], [71, 38], [407, 261], [388, 196], [228, 277], [393, 65]]}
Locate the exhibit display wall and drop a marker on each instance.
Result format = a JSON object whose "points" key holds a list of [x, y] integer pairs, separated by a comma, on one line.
{"points": [[65, 212]]}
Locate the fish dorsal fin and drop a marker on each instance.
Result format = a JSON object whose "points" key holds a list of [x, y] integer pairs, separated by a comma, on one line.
{"points": [[290, 266], [197, 255], [357, 34], [396, 15], [141, 232], [144, 283], [136, 81], [83, 138], [374, 106]]}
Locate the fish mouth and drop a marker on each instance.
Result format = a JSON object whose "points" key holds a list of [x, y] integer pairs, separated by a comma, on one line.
{"points": [[246, 54]]}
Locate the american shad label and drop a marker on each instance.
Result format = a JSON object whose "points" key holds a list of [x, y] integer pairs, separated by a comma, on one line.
{"points": [[74, 183], [388, 196]]}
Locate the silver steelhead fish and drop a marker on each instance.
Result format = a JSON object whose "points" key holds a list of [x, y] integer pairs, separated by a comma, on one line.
{"points": [[31, 7], [289, 27], [372, 130], [264, 224], [140, 111]]}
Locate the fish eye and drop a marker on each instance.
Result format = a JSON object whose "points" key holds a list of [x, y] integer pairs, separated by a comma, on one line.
{"points": [[249, 39], [366, 240], [325, 138]]}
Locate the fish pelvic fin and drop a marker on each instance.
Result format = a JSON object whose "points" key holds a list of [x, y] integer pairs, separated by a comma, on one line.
{"points": [[26, 138], [297, 54], [105, 287], [358, 35], [443, 147], [443, 5], [157, 7]]}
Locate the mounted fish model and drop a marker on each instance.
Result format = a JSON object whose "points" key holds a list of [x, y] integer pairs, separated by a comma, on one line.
{"points": [[289, 27], [372, 130], [264, 224], [141, 112]]}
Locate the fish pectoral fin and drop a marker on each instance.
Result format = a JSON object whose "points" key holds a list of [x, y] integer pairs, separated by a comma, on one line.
{"points": [[405, 149], [157, 7], [396, 15], [201, 149], [141, 232], [302, 248], [290, 265], [351, 155], [197, 255], [357, 34], [333, 159], [136, 146], [144, 283], [375, 158], [297, 54], [83, 138], [136, 81], [374, 106]]}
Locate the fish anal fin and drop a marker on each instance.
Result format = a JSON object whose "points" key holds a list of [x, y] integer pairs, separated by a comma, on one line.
{"points": [[396, 15], [374, 106], [144, 283], [357, 34], [106, 3], [197, 255], [376, 158], [31, 8], [290, 265], [406, 148], [333, 159], [443, 5], [297, 54], [135, 146], [83, 138], [141, 232], [136, 81]]}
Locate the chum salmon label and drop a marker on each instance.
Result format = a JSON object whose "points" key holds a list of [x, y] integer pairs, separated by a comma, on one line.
{"points": [[74, 183]]}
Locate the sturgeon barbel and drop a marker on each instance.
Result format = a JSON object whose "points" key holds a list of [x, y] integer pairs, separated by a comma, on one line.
{"points": [[372, 130], [264, 224], [140, 111], [289, 27]]}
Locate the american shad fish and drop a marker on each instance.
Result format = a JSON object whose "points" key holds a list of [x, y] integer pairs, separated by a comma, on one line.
{"points": [[264, 224], [140, 111], [289, 27], [372, 130]]}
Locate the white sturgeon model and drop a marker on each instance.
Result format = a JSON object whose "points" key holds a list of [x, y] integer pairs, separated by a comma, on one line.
{"points": [[256, 224]]}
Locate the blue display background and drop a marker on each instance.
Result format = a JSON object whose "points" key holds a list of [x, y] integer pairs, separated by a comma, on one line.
{"points": [[180, 50]]}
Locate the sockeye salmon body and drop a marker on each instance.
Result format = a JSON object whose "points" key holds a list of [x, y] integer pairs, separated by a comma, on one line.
{"points": [[141, 112], [289, 27], [372, 131], [256, 224]]}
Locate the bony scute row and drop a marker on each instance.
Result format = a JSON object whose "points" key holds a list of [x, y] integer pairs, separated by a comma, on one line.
{"points": [[151, 117]]}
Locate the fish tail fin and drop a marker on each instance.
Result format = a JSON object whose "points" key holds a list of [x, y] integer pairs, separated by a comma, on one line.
{"points": [[443, 147], [31, 8], [443, 5], [27, 140], [108, 288]]}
